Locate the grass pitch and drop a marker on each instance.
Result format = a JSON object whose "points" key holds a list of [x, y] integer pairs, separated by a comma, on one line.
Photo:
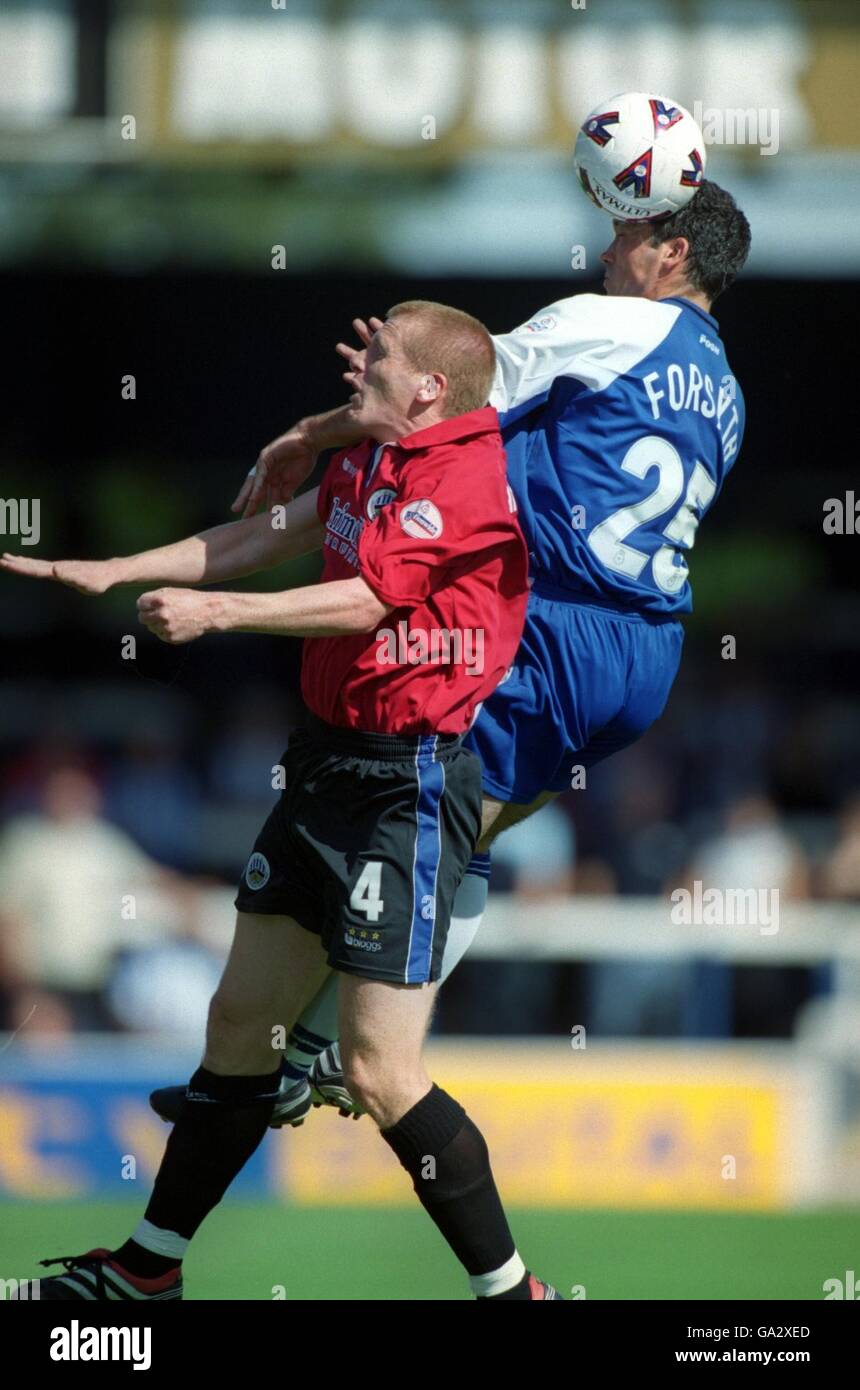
{"points": [[253, 1250]]}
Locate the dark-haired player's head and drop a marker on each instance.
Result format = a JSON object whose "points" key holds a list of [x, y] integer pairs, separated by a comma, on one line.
{"points": [[426, 363], [697, 252]]}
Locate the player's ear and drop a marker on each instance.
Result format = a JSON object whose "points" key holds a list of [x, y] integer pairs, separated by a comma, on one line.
{"points": [[431, 387], [680, 249]]}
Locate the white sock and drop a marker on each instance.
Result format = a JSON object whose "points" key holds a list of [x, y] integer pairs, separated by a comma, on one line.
{"points": [[160, 1242], [507, 1276], [314, 1032], [470, 903]]}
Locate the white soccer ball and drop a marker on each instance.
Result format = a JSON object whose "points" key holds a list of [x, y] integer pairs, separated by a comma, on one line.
{"points": [[640, 157]]}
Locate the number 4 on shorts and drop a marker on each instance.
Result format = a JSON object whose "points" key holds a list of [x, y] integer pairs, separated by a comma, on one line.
{"points": [[365, 895]]}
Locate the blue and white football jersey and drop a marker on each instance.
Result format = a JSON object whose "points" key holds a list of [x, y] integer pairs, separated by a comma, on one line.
{"points": [[621, 418]]}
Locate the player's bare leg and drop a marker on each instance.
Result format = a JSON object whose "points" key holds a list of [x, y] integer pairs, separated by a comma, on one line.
{"points": [[382, 1030], [383, 1026], [275, 967]]}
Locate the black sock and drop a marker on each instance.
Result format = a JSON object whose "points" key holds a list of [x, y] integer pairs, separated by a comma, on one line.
{"points": [[223, 1122], [144, 1263], [446, 1156]]}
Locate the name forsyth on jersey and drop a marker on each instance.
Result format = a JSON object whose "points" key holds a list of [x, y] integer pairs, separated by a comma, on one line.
{"points": [[693, 389]]}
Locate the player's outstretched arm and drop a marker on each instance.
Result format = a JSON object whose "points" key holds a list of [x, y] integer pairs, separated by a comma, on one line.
{"points": [[337, 609], [287, 461], [225, 552], [87, 576]]}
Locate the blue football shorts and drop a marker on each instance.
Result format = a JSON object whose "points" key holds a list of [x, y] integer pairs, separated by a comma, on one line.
{"points": [[588, 679]]}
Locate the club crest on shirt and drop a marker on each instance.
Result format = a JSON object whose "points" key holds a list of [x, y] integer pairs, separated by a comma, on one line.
{"points": [[422, 519], [257, 871], [541, 325], [377, 500]]}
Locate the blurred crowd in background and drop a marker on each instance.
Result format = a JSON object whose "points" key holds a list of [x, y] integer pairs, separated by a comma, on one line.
{"points": [[116, 857]]}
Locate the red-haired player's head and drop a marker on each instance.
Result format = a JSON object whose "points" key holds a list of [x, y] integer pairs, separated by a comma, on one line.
{"points": [[426, 363]]}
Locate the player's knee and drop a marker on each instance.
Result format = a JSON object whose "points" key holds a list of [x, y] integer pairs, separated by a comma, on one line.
{"points": [[363, 1075], [237, 1039], [230, 1017], [371, 1077]]}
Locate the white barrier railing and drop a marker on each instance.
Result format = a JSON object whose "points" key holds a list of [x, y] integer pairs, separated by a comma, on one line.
{"points": [[574, 928]]}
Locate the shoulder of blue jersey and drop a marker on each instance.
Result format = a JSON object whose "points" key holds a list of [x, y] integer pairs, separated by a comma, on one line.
{"points": [[595, 338]]}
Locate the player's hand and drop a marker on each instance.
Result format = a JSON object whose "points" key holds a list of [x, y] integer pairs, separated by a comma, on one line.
{"points": [[288, 461], [87, 576], [175, 615], [282, 466], [355, 356]]}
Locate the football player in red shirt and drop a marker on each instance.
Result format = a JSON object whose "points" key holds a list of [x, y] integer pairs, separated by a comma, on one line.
{"points": [[418, 616]]}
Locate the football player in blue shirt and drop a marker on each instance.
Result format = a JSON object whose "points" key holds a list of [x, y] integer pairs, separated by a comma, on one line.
{"points": [[621, 418]]}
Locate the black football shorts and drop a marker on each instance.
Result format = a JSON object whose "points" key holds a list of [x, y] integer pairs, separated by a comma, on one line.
{"points": [[367, 846]]}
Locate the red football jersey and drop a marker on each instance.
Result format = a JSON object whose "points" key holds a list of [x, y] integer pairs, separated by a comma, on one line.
{"points": [[430, 523]]}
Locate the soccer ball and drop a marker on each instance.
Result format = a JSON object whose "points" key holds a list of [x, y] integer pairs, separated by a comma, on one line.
{"points": [[640, 157]]}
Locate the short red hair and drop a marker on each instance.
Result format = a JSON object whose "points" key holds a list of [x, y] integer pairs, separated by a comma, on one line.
{"points": [[439, 338]]}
